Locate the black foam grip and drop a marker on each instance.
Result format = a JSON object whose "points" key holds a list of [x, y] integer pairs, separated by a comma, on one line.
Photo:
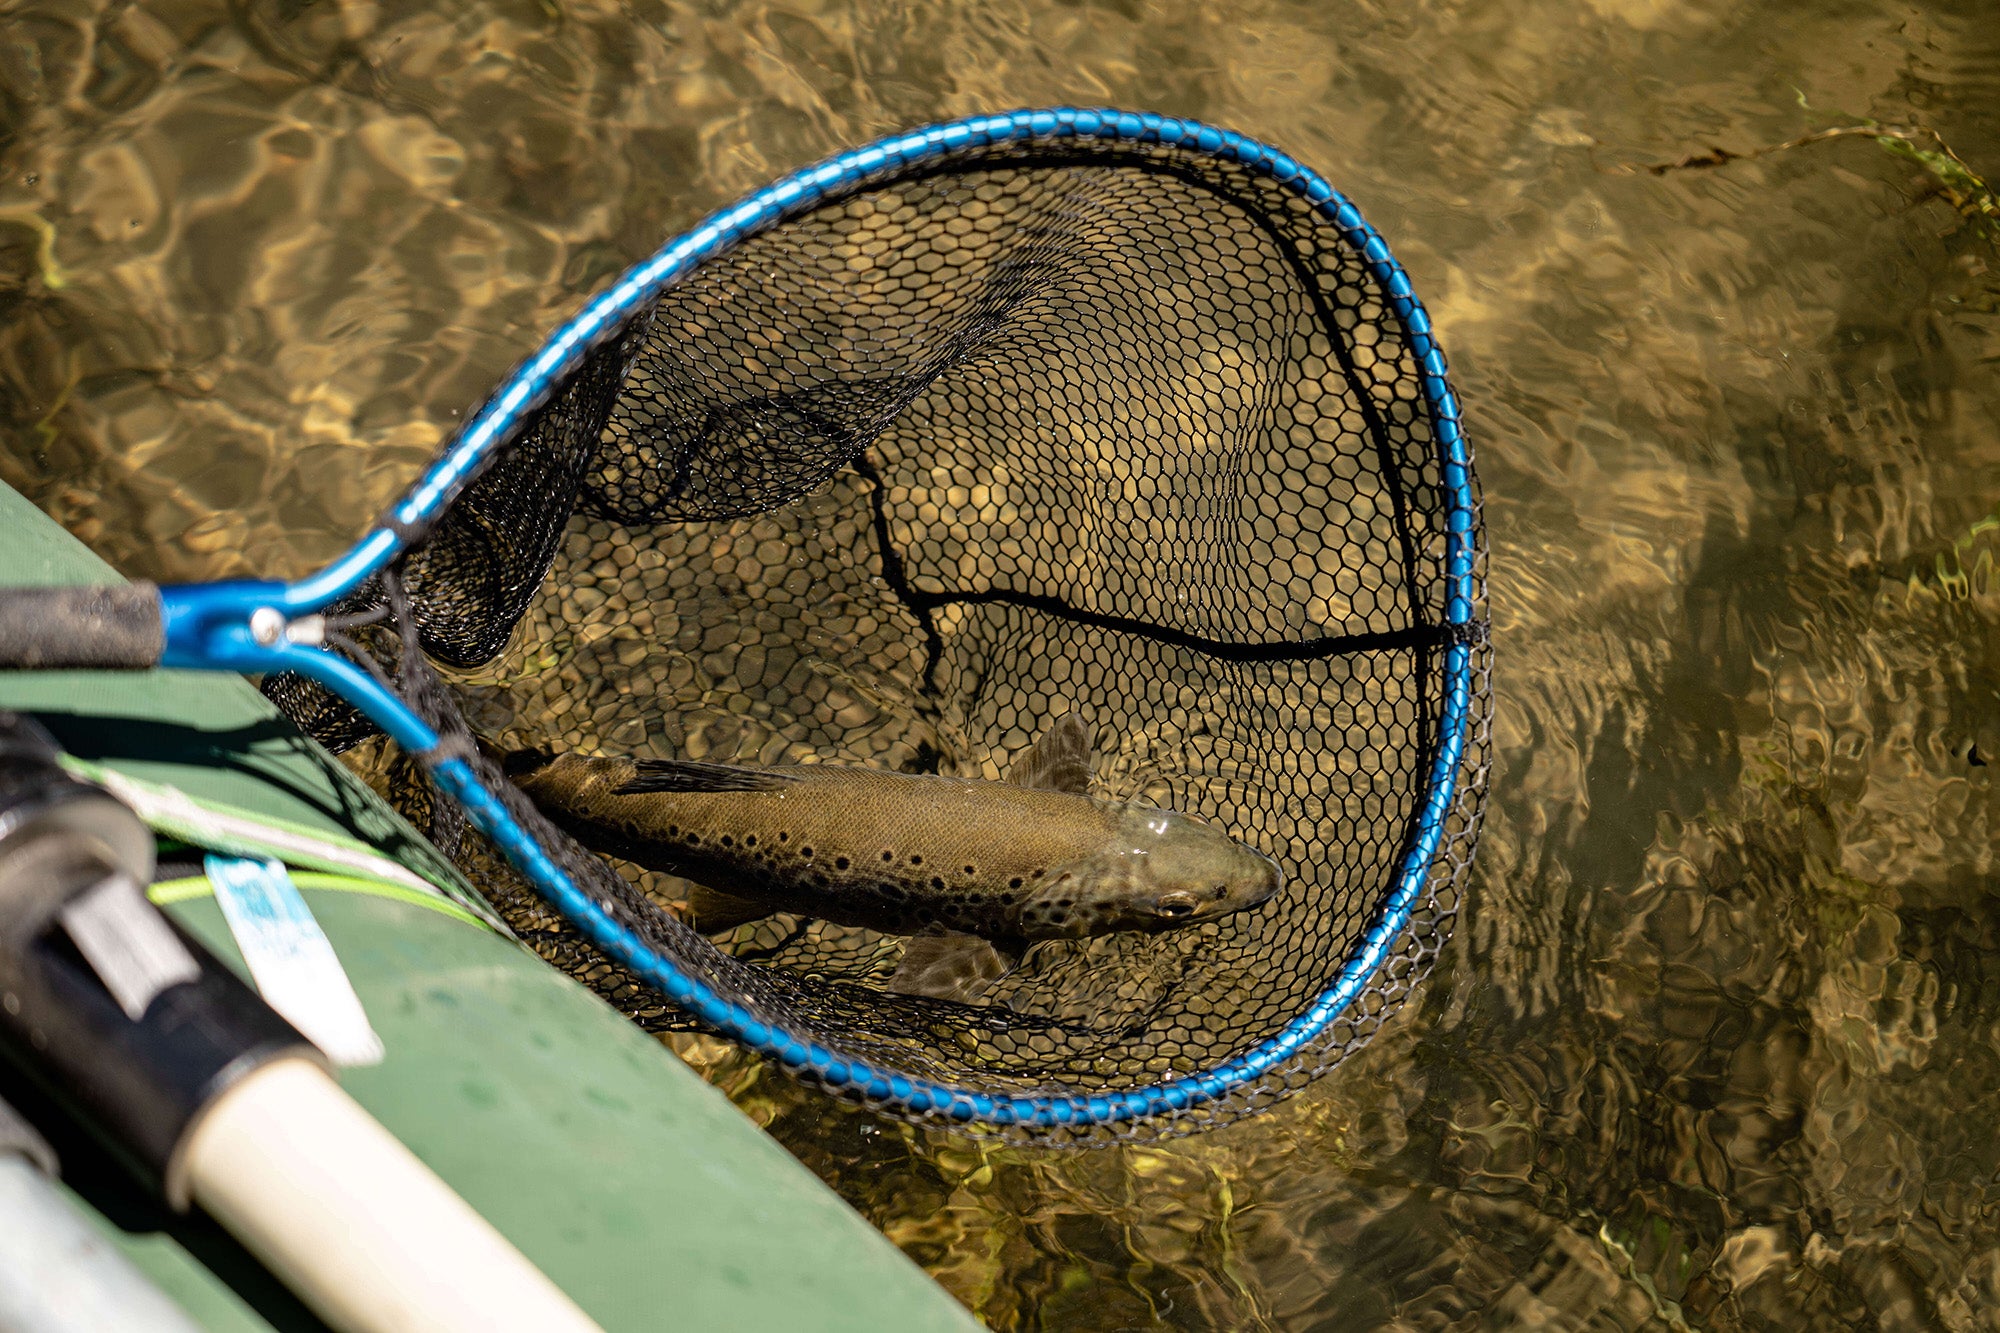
{"points": [[113, 625], [137, 1085]]}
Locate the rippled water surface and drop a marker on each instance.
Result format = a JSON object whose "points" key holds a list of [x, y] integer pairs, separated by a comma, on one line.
{"points": [[1717, 1044]]}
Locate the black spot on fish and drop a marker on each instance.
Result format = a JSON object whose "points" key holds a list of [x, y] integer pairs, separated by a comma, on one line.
{"points": [[728, 841], [840, 862], [937, 881], [888, 856], [749, 840], [784, 837], [1036, 875], [916, 860], [806, 852], [1014, 883], [968, 870]]}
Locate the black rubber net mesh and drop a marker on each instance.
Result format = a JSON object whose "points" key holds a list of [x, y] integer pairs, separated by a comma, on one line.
{"points": [[898, 482]]}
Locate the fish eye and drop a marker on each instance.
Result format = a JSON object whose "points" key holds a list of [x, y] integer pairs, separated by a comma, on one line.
{"points": [[1175, 905]]}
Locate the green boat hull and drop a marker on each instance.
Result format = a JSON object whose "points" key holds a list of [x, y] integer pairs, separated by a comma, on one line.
{"points": [[633, 1184]]}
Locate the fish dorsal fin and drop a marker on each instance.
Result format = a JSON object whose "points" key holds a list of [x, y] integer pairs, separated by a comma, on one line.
{"points": [[1059, 761], [665, 775]]}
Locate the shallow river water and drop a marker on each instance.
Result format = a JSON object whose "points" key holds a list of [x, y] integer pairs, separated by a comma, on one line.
{"points": [[1717, 1042]]}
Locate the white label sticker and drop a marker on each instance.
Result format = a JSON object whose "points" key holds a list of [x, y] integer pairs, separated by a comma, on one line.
{"points": [[126, 941], [291, 958]]}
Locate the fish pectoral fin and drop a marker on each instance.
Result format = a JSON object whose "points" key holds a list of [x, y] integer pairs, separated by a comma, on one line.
{"points": [[658, 775], [714, 910], [514, 763], [1059, 760], [954, 967]]}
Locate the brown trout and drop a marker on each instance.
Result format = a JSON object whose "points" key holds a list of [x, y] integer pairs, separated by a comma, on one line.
{"points": [[938, 858]]}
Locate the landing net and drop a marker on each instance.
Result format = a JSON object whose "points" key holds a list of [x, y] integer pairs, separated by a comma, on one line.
{"points": [[905, 457]]}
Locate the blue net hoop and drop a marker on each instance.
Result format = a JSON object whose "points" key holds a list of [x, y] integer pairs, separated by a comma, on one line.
{"points": [[209, 627]]}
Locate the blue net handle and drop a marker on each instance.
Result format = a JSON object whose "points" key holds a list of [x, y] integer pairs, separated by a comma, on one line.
{"points": [[209, 626]]}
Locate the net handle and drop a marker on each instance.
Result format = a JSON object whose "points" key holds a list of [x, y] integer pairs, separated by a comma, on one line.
{"points": [[98, 627]]}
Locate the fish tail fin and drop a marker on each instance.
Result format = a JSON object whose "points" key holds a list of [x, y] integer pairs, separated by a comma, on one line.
{"points": [[714, 910], [664, 775]]}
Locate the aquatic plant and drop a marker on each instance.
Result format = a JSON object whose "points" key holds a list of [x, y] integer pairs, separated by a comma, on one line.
{"points": [[1952, 177]]}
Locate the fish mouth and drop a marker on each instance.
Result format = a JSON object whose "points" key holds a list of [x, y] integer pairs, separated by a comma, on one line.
{"points": [[1270, 877], [1274, 880], [1180, 907]]}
